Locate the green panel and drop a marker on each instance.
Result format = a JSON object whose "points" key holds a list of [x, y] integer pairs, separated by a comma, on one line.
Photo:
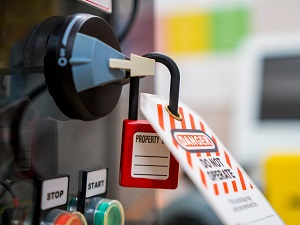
{"points": [[229, 27]]}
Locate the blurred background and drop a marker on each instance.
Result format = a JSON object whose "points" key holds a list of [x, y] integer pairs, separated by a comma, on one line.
{"points": [[240, 70]]}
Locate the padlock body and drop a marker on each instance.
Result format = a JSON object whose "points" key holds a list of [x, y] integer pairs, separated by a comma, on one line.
{"points": [[145, 160]]}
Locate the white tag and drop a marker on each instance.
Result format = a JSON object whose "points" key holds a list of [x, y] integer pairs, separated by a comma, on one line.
{"points": [[96, 182], [221, 180], [104, 5], [150, 157], [54, 192]]}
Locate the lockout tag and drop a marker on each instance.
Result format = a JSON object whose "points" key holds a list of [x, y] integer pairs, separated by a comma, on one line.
{"points": [[221, 180]]}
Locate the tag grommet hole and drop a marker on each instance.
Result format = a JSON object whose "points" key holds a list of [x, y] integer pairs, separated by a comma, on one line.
{"points": [[176, 117]]}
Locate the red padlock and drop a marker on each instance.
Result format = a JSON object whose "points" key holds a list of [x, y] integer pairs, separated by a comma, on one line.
{"points": [[145, 160]]}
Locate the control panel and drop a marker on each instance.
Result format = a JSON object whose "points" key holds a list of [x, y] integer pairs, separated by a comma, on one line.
{"points": [[73, 57], [60, 78]]}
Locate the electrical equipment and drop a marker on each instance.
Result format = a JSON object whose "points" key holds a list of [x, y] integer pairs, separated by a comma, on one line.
{"points": [[43, 146], [92, 202], [74, 56], [105, 212], [92, 183], [266, 112], [59, 217]]}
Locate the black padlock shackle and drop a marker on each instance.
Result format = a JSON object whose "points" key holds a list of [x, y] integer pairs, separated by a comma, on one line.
{"points": [[133, 98], [174, 86]]}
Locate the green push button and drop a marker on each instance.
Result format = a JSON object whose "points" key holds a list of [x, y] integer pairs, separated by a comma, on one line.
{"points": [[109, 212]]}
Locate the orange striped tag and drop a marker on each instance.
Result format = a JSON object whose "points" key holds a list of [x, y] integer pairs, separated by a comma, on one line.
{"points": [[208, 163]]}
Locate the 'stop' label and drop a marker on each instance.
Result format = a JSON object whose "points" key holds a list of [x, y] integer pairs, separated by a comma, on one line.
{"points": [[54, 192], [194, 140]]}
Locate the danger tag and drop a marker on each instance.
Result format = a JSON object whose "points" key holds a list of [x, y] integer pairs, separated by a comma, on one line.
{"points": [[220, 179]]}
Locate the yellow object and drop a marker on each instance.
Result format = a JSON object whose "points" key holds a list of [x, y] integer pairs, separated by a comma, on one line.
{"points": [[188, 33], [283, 186]]}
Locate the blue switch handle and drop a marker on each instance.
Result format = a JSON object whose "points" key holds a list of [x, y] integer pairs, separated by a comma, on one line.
{"points": [[90, 63]]}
